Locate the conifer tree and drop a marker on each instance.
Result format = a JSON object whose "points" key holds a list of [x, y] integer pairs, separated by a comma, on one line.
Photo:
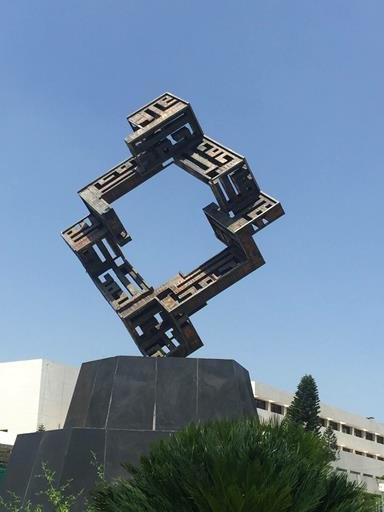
{"points": [[305, 406], [330, 441]]}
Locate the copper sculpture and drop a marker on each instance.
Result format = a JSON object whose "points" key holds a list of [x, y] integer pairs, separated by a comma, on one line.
{"points": [[166, 131]]}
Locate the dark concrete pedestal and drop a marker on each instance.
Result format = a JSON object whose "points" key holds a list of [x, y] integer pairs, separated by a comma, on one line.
{"points": [[120, 406]]}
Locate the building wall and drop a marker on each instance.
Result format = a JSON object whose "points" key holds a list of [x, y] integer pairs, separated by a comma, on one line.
{"points": [[7, 438], [19, 396], [34, 392], [57, 385], [360, 440]]}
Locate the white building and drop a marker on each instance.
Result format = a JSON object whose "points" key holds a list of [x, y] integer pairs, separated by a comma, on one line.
{"points": [[33, 393], [360, 440]]}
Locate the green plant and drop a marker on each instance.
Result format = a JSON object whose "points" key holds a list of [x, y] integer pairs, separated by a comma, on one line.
{"points": [[305, 406], [14, 504], [101, 484], [341, 496], [330, 440], [58, 495], [235, 466]]}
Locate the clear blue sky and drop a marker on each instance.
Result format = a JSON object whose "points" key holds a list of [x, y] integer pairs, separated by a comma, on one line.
{"points": [[295, 86]]}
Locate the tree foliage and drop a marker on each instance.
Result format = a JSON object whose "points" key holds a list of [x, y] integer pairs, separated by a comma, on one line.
{"points": [[305, 407], [235, 466], [330, 440]]}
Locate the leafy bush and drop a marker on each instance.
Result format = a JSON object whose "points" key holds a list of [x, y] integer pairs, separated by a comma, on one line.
{"points": [[235, 466], [58, 496], [14, 504]]}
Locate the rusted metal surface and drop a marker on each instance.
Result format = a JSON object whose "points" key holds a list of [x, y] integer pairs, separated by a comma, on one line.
{"points": [[166, 131]]}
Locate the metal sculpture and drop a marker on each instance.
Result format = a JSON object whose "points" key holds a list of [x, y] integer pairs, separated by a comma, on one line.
{"points": [[166, 131]]}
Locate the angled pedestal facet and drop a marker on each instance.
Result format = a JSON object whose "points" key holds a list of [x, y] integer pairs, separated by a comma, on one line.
{"points": [[120, 406]]}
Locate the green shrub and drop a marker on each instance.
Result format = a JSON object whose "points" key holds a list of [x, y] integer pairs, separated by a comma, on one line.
{"points": [[58, 496], [235, 466], [14, 504]]}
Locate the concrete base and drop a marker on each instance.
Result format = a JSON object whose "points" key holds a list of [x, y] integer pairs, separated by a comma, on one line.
{"points": [[120, 406]]}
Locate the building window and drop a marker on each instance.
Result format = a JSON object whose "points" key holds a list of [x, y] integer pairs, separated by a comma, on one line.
{"points": [[369, 476], [346, 429], [323, 422], [358, 433], [380, 458], [370, 456], [261, 404], [345, 449], [369, 436], [358, 453], [334, 425], [380, 439], [278, 409]]}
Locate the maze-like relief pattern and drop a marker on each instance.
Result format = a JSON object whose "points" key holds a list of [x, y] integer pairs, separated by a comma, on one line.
{"points": [[166, 131]]}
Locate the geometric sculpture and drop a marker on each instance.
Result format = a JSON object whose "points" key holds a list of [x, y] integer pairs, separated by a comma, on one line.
{"points": [[166, 131]]}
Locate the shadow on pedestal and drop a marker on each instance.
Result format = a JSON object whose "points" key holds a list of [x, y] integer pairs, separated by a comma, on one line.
{"points": [[120, 406]]}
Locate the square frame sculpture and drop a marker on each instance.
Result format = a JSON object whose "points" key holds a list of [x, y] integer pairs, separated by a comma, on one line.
{"points": [[166, 131]]}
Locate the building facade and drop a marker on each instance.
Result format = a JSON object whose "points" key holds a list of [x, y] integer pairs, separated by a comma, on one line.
{"points": [[360, 440], [34, 393]]}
